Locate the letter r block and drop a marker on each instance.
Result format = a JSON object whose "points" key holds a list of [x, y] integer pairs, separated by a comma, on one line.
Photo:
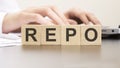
{"points": [[50, 35], [70, 35], [90, 35], [31, 34]]}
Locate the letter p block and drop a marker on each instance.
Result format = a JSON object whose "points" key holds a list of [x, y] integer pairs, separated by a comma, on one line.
{"points": [[70, 35]]}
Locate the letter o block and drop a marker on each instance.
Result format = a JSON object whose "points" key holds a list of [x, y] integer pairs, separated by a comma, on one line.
{"points": [[90, 35], [30, 34]]}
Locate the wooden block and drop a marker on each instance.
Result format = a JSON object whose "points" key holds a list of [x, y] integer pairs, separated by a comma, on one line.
{"points": [[50, 35], [70, 35], [31, 34], [90, 35]]}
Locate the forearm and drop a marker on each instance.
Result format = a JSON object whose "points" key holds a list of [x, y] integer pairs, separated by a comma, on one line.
{"points": [[2, 16], [9, 23]]}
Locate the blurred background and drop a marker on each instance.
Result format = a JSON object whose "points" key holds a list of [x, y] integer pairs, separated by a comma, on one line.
{"points": [[107, 11]]}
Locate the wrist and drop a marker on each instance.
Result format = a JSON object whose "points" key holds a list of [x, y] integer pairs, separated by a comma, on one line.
{"points": [[8, 23]]}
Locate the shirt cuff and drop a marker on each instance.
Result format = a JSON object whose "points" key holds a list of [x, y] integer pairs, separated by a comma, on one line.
{"points": [[2, 15]]}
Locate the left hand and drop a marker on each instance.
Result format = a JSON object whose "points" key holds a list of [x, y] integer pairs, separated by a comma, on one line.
{"points": [[77, 16]]}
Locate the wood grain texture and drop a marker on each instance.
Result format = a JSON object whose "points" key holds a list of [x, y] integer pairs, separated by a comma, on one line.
{"points": [[90, 35]]}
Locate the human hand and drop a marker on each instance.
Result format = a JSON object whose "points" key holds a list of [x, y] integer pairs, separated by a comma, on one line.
{"points": [[78, 16], [14, 21]]}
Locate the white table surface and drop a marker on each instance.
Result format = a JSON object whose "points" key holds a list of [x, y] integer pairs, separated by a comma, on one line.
{"points": [[105, 56]]}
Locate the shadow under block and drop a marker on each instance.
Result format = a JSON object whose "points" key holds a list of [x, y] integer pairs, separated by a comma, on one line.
{"points": [[31, 34], [70, 35], [50, 35], [90, 35]]}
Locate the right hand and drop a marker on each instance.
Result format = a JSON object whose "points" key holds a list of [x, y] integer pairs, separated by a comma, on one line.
{"points": [[14, 21]]}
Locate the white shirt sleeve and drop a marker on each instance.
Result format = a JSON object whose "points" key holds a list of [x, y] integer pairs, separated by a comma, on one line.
{"points": [[7, 6]]}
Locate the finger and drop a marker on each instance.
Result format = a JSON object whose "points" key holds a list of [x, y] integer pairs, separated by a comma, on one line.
{"points": [[82, 16], [48, 19], [72, 22], [78, 14], [52, 15], [93, 19], [60, 14], [36, 18], [46, 11]]}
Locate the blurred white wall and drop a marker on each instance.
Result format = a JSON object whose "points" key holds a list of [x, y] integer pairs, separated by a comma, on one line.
{"points": [[108, 11]]}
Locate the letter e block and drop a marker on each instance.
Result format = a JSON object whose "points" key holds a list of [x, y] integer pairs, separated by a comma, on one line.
{"points": [[70, 35], [50, 35], [30, 34], [90, 35]]}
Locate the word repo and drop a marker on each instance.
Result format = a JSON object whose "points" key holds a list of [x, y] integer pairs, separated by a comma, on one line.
{"points": [[61, 35]]}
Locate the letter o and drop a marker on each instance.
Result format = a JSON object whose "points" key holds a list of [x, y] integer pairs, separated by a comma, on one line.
{"points": [[86, 34]]}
